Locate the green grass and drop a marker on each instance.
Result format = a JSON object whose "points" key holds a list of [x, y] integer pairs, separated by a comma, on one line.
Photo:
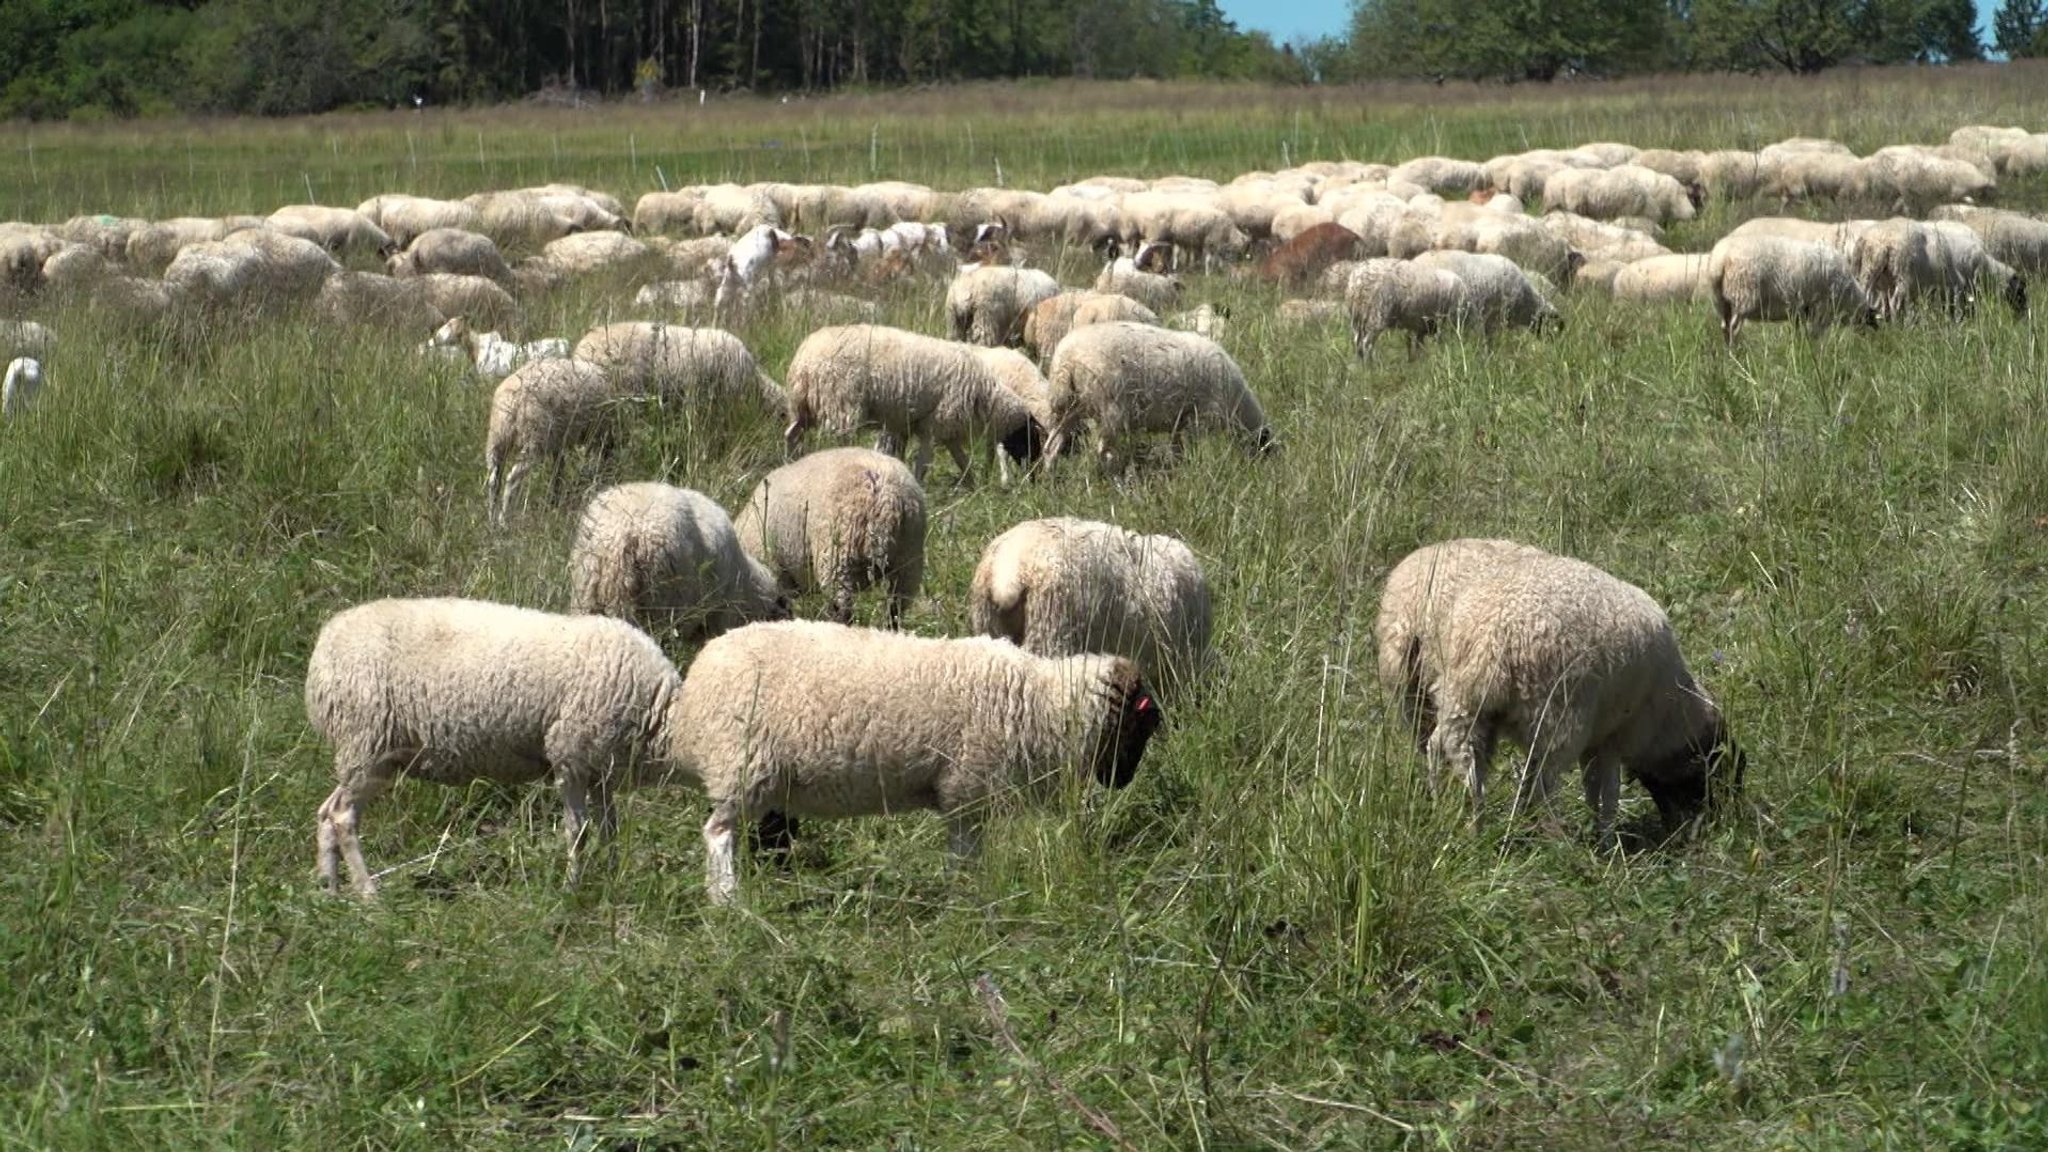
{"points": [[1272, 939]]}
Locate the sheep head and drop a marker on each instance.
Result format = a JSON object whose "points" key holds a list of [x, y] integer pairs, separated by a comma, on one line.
{"points": [[1697, 778], [1026, 443], [2016, 293], [1134, 717]]}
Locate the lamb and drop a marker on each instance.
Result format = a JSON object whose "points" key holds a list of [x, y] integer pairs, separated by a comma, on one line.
{"points": [[1133, 378], [907, 385], [841, 520], [1152, 289], [494, 356], [1487, 638], [987, 305], [818, 719], [1500, 293], [1401, 295], [1773, 278], [1663, 279], [750, 259], [652, 553], [1061, 586], [454, 251], [539, 413], [455, 691], [24, 379], [1055, 316], [690, 365]]}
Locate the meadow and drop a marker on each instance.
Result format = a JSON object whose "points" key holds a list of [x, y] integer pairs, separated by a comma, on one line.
{"points": [[1274, 938]]}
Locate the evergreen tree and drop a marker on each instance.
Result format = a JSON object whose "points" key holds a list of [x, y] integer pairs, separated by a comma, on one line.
{"points": [[2020, 28]]}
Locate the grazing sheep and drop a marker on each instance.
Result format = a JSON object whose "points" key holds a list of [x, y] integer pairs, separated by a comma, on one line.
{"points": [[339, 230], [840, 520], [1629, 190], [255, 268], [1669, 279], [407, 218], [539, 413], [689, 365], [482, 302], [453, 251], [24, 379], [987, 305], [1970, 270], [751, 258], [1400, 295], [1152, 289], [459, 690], [675, 296], [2014, 238], [494, 356], [1484, 639], [588, 254], [1021, 376], [1526, 241], [1128, 379], [1602, 239], [1055, 316], [1501, 295], [1304, 257], [370, 300], [1061, 586], [1773, 278], [652, 553], [26, 338], [907, 385], [816, 719]]}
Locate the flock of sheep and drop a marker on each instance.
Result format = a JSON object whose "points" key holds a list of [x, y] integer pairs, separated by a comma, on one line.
{"points": [[1085, 629]]}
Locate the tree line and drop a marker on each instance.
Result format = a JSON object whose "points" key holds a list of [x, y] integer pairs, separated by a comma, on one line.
{"points": [[88, 58]]}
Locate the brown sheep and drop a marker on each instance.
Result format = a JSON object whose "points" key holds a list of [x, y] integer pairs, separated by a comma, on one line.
{"points": [[1309, 253]]}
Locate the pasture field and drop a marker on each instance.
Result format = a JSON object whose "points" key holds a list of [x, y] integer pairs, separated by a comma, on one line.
{"points": [[1273, 938]]}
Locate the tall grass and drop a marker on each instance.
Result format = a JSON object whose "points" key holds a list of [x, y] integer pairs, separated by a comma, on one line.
{"points": [[1272, 939]]}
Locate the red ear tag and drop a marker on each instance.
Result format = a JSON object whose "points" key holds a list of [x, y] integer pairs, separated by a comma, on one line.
{"points": [[1144, 704]]}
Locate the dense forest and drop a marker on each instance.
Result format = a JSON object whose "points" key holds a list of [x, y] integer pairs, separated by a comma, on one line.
{"points": [[96, 58]]}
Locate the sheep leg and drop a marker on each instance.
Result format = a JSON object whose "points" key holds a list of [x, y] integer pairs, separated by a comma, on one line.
{"points": [[1462, 746], [841, 611], [958, 452], [924, 457], [337, 829], [513, 479], [1602, 780], [721, 837]]}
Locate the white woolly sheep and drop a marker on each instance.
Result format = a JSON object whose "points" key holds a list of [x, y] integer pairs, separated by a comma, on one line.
{"points": [[588, 254], [1773, 278], [339, 230], [1128, 379], [653, 554], [406, 218], [1601, 239], [840, 520], [1971, 270], [1494, 639], [459, 690], [253, 268], [907, 385], [1123, 276], [1400, 295], [817, 719], [26, 338], [539, 413], [2014, 238], [372, 300], [987, 305], [1629, 190], [1668, 279], [1053, 317], [1062, 586], [482, 302], [1501, 294], [1021, 376], [24, 379], [454, 251], [678, 364]]}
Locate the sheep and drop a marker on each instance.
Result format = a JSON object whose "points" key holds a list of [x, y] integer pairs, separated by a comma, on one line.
{"points": [[452, 250], [674, 296], [840, 520], [1773, 278], [1839, 236], [152, 249], [24, 379], [1910, 179], [455, 691], [1500, 293], [681, 364], [1133, 378], [1625, 191], [407, 218], [366, 298], [1663, 279], [517, 218], [494, 356], [1441, 175], [1210, 320], [649, 553], [987, 305], [1527, 242], [1306, 255], [1600, 239], [818, 719], [1422, 301], [587, 254], [26, 338], [1016, 371], [539, 413], [253, 268], [1313, 313], [339, 230], [1053, 317], [1152, 289], [751, 258], [2014, 238], [1487, 638], [75, 267], [1188, 221], [482, 302], [907, 385], [1896, 261], [1061, 586], [105, 235]]}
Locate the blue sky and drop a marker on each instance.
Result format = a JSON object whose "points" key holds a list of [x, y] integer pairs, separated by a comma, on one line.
{"points": [[1285, 19]]}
